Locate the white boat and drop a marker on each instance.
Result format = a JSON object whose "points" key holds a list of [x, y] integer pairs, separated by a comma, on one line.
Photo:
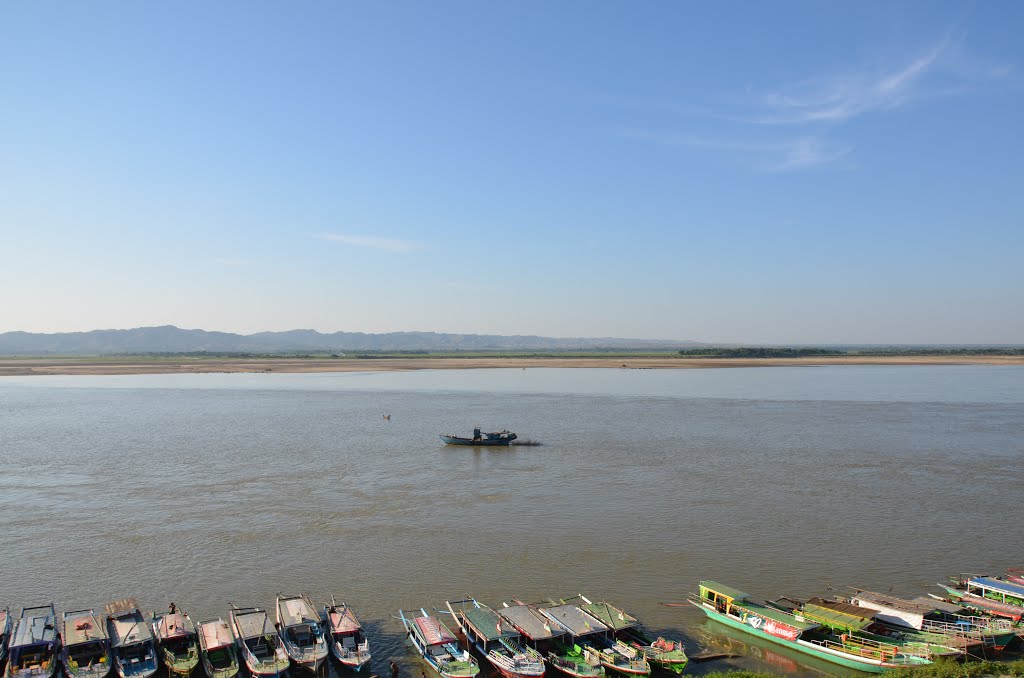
{"points": [[179, 645], [34, 644], [258, 643], [298, 624], [86, 650], [131, 640], [217, 649], [348, 643]]}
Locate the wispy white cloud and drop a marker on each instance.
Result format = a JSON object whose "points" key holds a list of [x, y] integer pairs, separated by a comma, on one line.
{"points": [[230, 262], [938, 71], [371, 242], [776, 155]]}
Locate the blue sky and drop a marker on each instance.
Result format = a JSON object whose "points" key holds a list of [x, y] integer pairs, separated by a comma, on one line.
{"points": [[732, 171]]}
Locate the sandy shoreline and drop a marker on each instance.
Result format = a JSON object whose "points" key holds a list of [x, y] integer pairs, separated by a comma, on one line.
{"points": [[93, 366]]}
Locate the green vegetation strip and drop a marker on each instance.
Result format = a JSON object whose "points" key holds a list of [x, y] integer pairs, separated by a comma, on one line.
{"points": [[940, 669]]}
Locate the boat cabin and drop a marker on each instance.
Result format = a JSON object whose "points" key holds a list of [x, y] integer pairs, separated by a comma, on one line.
{"points": [[909, 614], [33, 643], [345, 628]]}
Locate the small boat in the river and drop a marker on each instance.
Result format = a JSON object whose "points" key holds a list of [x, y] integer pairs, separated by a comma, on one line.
{"points": [[668, 655], [500, 644], [616, 656], [493, 439], [86, 645], [34, 645], [217, 649], [179, 643], [258, 643], [574, 653], [438, 646], [988, 595], [734, 608], [536, 631], [298, 624], [131, 640], [347, 641]]}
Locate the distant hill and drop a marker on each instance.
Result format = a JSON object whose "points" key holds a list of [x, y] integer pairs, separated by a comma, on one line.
{"points": [[170, 339]]}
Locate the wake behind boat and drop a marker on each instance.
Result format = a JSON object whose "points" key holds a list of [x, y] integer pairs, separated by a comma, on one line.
{"points": [[34, 644], [86, 651], [345, 633], [493, 439], [499, 643], [131, 640], [258, 643], [299, 627]]}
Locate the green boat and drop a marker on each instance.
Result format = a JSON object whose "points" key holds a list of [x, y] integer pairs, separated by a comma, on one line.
{"points": [[667, 655], [179, 644], [735, 609]]}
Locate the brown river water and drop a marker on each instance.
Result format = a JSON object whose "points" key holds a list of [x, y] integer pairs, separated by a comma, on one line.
{"points": [[205, 489]]}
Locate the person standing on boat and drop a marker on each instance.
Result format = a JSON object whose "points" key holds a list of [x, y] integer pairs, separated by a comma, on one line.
{"points": [[394, 669]]}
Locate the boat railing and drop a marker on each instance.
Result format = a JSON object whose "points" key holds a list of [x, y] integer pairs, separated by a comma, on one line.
{"points": [[862, 647]]}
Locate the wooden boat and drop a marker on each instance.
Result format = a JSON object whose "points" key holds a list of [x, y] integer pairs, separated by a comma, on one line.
{"points": [[538, 632], [493, 439], [734, 608], [179, 643], [574, 654], [500, 644], [347, 641], [298, 624], [86, 646], [616, 656], [217, 649], [1015, 575], [945, 623], [34, 645], [988, 595], [258, 643], [668, 655], [5, 632], [438, 646], [131, 640]]}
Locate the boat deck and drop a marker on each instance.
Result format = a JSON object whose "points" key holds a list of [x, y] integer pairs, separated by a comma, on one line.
{"points": [[83, 626], [216, 634], [129, 629], [296, 611], [36, 627], [530, 623], [253, 624]]}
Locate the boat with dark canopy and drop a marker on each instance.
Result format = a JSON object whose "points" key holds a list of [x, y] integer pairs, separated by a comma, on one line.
{"points": [[493, 439], [500, 644]]}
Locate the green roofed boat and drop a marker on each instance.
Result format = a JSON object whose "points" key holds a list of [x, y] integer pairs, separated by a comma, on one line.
{"points": [[668, 655], [799, 632]]}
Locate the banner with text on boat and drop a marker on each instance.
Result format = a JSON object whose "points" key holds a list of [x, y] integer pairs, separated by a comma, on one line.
{"points": [[770, 626]]}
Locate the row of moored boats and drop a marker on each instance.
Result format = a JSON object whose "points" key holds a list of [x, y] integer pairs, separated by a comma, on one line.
{"points": [[573, 636], [122, 640], [872, 631]]}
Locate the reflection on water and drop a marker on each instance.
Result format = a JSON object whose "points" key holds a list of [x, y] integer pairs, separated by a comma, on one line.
{"points": [[204, 489]]}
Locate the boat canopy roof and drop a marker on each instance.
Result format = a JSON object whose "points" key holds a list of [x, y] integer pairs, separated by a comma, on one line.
{"points": [[129, 629], [83, 626], [530, 623], [296, 611], [780, 616], [433, 631], [838, 615], [893, 603], [216, 634], [342, 619], [610, 615], [252, 623], [998, 585], [36, 627], [574, 620], [940, 605], [487, 624], [722, 589], [175, 625]]}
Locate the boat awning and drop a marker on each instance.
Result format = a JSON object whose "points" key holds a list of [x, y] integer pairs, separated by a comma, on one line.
{"points": [[216, 634], [129, 630], [433, 631], [894, 610], [998, 585], [487, 624], [838, 615], [610, 615], [574, 620], [253, 623], [343, 620], [82, 627], [174, 625], [529, 622], [296, 611], [940, 605], [722, 589], [35, 630]]}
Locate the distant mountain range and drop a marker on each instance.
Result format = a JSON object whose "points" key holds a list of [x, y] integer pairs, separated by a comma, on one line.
{"points": [[170, 339]]}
